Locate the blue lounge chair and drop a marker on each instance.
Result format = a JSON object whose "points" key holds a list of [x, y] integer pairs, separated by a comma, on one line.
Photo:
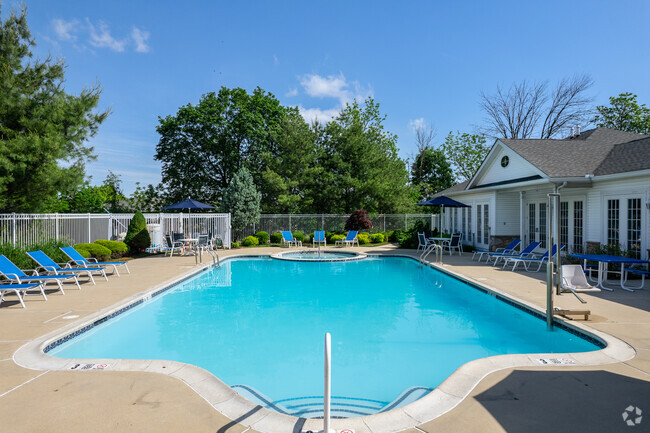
{"points": [[49, 265], [510, 249], [526, 261], [526, 252], [79, 260], [288, 239], [349, 240], [319, 238], [14, 274], [20, 290]]}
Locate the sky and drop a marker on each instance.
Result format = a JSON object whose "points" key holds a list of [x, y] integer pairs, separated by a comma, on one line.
{"points": [[424, 62]]}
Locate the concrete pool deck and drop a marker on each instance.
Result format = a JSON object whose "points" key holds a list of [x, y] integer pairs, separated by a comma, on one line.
{"points": [[577, 398]]}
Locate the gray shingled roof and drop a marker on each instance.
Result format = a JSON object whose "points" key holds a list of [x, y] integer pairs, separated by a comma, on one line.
{"points": [[598, 151], [456, 188]]}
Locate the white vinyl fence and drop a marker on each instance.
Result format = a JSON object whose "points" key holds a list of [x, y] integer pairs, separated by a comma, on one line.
{"points": [[308, 223], [26, 229]]}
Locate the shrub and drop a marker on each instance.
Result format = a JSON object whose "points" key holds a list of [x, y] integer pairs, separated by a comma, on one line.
{"points": [[363, 238], [377, 238], [97, 251], [358, 221], [235, 245], [397, 236], [335, 238], [118, 249], [50, 247], [137, 236], [276, 238], [84, 253], [410, 238], [250, 241], [262, 237], [299, 236]]}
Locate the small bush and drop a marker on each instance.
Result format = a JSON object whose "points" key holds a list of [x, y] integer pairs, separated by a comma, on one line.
{"points": [[235, 245], [398, 236], [358, 221], [137, 236], [363, 238], [50, 247], [262, 237], [299, 236], [118, 249], [377, 238], [276, 238], [97, 251], [335, 238], [84, 253], [250, 241]]}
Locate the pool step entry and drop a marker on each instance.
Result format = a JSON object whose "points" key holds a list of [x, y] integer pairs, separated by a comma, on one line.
{"points": [[341, 407]]}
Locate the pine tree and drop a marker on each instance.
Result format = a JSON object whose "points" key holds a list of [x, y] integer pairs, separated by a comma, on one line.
{"points": [[43, 129], [242, 200]]}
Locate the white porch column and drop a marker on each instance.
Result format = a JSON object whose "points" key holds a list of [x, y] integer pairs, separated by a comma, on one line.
{"points": [[522, 218]]}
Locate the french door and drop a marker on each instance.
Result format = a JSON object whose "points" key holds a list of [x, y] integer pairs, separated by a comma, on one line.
{"points": [[537, 223], [623, 228], [483, 225]]}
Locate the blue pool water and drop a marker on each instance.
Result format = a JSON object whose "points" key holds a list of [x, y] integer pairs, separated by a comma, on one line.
{"points": [[258, 325]]}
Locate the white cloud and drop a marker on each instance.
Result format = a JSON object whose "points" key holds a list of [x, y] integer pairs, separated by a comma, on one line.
{"points": [[65, 29], [323, 116], [332, 86], [140, 37], [292, 92], [416, 124], [103, 38]]}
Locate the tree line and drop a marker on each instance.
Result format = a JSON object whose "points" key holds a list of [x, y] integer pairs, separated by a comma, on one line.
{"points": [[351, 162]]}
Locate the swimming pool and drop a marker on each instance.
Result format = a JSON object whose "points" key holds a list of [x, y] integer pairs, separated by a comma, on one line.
{"points": [[398, 330]]}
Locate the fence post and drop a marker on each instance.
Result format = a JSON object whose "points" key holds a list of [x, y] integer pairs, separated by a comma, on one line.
{"points": [[109, 229], [290, 222], [431, 222], [13, 229], [322, 221], [406, 222], [384, 230], [56, 227], [89, 241]]}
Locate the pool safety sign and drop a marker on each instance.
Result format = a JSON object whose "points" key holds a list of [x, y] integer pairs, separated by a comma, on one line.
{"points": [[88, 367], [556, 361]]}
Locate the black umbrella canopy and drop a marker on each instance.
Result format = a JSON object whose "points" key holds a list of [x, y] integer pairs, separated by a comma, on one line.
{"points": [[442, 201], [188, 203]]}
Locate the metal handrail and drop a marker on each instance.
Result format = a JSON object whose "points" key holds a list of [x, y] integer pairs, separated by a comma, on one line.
{"points": [[428, 249]]}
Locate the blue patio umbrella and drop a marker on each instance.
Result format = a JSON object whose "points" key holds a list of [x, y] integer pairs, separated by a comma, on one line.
{"points": [[188, 204], [442, 201]]}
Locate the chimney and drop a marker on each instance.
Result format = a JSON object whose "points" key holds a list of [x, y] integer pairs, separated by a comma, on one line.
{"points": [[578, 129], [573, 131]]}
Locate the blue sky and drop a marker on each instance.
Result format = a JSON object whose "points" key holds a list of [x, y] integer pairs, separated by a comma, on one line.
{"points": [[424, 62]]}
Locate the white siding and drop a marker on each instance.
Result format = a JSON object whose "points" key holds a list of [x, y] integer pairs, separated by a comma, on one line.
{"points": [[506, 222], [493, 172]]}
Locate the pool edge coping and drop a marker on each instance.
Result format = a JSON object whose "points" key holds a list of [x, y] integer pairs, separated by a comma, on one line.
{"points": [[445, 397]]}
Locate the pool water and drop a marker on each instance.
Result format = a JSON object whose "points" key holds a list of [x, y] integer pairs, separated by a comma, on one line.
{"points": [[398, 330]]}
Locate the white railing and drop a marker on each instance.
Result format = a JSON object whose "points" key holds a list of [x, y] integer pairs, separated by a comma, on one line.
{"points": [[308, 223], [26, 229]]}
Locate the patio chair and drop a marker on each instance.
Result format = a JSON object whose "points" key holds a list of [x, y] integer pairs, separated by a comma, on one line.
{"points": [[49, 265], [453, 244], [574, 280], [20, 290], [526, 261], [288, 239], [319, 238], [423, 242], [14, 274], [526, 252], [204, 243], [510, 249], [171, 246], [91, 262], [349, 240]]}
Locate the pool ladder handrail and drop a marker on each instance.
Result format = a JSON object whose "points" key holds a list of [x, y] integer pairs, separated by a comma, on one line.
{"points": [[215, 256], [428, 249]]}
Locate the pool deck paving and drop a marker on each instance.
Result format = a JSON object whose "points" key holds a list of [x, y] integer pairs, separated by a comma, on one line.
{"points": [[589, 398]]}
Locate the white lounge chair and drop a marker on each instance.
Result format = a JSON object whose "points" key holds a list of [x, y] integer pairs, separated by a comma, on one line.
{"points": [[349, 240], [574, 279], [288, 239]]}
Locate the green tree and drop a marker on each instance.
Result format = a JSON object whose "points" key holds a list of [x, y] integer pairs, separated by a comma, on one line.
{"points": [[242, 201], [357, 165], [431, 172], [203, 146], [43, 129], [148, 198], [289, 166], [466, 153], [625, 114]]}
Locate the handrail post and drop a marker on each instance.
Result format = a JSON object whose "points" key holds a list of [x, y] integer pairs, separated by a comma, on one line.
{"points": [[13, 230], [328, 382]]}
